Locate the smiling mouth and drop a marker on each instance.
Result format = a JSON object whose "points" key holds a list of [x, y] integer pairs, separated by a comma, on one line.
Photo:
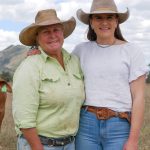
{"points": [[104, 29], [52, 42]]}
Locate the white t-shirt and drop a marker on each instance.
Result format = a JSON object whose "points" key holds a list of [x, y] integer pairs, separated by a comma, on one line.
{"points": [[108, 72]]}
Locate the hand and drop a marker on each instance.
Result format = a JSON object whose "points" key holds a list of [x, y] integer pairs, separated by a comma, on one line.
{"points": [[38, 147], [130, 145], [33, 52]]}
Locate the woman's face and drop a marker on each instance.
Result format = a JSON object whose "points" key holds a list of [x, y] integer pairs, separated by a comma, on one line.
{"points": [[104, 25], [51, 38]]}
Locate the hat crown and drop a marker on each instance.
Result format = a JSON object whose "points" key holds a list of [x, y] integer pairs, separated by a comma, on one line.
{"points": [[46, 15], [98, 5], [43, 18]]}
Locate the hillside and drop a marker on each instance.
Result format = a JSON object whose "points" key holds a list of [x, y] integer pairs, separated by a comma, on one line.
{"points": [[11, 57]]}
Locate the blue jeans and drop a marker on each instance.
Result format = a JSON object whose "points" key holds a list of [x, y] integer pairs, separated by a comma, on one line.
{"points": [[94, 134], [22, 144]]}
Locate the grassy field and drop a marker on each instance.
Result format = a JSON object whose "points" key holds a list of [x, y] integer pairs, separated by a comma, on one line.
{"points": [[8, 137]]}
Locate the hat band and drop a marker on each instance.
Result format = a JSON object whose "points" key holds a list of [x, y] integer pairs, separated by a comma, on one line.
{"points": [[105, 9], [46, 19]]}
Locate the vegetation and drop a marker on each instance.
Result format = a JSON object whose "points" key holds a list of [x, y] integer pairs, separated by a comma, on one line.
{"points": [[148, 77], [7, 75], [8, 136]]}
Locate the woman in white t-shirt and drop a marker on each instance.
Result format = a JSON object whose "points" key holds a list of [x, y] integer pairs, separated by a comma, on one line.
{"points": [[114, 74]]}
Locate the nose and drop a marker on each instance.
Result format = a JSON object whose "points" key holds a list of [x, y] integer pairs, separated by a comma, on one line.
{"points": [[52, 34], [104, 21]]}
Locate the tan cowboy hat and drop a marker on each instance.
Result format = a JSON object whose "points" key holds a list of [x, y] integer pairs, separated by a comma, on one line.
{"points": [[100, 7], [43, 18]]}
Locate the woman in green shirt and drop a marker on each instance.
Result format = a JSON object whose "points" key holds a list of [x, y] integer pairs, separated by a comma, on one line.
{"points": [[48, 89]]}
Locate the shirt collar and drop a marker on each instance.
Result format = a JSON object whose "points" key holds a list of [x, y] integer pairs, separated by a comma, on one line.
{"points": [[66, 55]]}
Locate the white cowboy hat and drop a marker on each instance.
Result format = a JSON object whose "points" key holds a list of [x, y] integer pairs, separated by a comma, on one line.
{"points": [[43, 18], [100, 7]]}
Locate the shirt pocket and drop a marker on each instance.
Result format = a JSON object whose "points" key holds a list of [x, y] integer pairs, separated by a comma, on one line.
{"points": [[49, 85], [77, 76], [77, 80], [51, 78]]}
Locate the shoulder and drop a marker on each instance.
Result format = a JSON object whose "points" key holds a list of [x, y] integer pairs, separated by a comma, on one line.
{"points": [[29, 64], [75, 58], [129, 45], [133, 48], [83, 44], [82, 47], [130, 48]]}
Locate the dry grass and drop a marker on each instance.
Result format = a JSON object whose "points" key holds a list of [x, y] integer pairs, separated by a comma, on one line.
{"points": [[8, 137], [145, 134]]}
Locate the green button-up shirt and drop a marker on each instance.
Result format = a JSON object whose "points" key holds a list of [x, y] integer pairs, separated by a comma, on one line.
{"points": [[48, 97]]}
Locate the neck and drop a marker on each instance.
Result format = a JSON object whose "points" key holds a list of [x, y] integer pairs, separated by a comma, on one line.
{"points": [[59, 58], [107, 41], [57, 55]]}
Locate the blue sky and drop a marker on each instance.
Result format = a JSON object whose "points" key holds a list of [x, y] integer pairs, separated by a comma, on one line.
{"points": [[11, 25], [16, 14]]}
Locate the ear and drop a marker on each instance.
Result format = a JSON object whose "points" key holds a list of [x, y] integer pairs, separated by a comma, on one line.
{"points": [[1, 84], [9, 89]]}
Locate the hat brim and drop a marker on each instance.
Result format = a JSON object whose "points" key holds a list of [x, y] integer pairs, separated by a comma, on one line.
{"points": [[28, 35], [84, 17]]}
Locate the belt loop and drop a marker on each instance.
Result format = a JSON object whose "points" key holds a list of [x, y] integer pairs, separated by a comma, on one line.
{"points": [[85, 108]]}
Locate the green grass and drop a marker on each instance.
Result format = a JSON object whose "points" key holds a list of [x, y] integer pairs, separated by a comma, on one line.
{"points": [[8, 136]]}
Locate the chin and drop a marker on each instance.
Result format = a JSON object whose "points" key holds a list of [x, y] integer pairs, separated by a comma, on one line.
{"points": [[106, 35]]}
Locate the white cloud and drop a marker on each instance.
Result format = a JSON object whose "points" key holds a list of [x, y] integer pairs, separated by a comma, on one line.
{"points": [[8, 38], [10, 2], [136, 29]]}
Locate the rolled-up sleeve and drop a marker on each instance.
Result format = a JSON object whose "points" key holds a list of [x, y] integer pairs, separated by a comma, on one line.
{"points": [[25, 95]]}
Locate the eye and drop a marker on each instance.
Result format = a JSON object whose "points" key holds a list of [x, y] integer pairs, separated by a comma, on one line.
{"points": [[97, 17], [57, 29], [111, 17], [44, 31]]}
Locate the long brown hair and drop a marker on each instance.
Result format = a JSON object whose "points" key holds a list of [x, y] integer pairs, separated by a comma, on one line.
{"points": [[91, 35]]}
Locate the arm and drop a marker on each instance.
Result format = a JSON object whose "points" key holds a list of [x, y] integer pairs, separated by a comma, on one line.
{"points": [[26, 102], [137, 91], [32, 138]]}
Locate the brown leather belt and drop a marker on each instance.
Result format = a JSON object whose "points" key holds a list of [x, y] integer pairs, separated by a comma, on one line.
{"points": [[104, 113]]}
